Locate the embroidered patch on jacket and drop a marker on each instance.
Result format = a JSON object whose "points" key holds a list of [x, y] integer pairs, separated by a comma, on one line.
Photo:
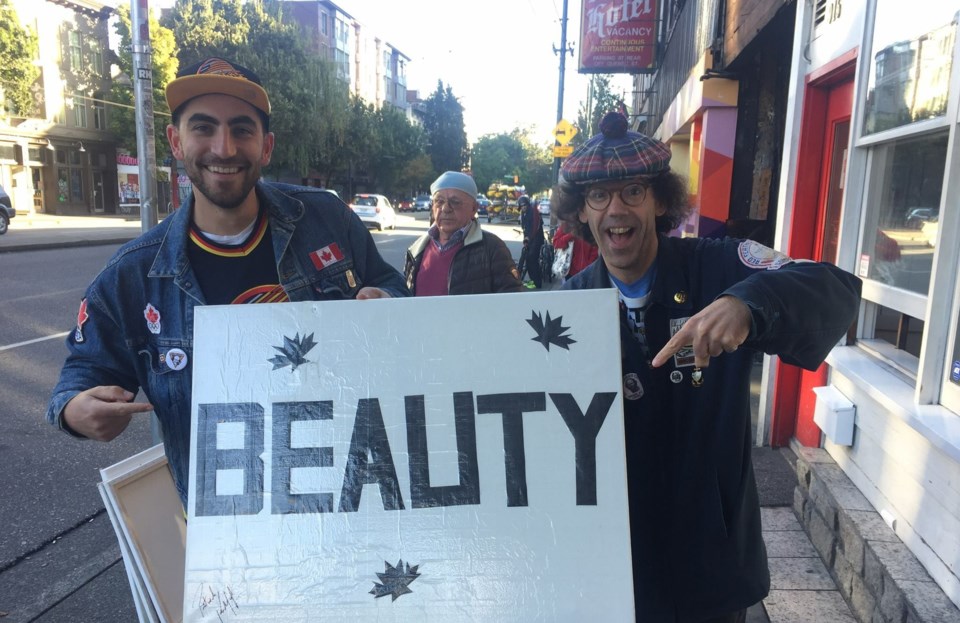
{"points": [[153, 319], [326, 256], [755, 255], [82, 317], [632, 389], [175, 359], [683, 357]]}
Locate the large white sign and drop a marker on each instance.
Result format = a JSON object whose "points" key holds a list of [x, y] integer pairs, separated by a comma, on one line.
{"points": [[428, 459]]}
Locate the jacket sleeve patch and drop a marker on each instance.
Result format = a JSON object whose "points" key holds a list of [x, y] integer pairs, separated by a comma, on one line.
{"points": [[755, 255]]}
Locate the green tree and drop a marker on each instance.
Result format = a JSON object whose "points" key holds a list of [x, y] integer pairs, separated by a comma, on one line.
{"points": [[123, 122], [357, 152], [18, 48], [447, 137], [398, 142], [600, 101], [496, 157], [500, 157], [205, 28]]}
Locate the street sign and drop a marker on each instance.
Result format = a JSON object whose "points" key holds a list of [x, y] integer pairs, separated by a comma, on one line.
{"points": [[564, 132], [562, 151]]}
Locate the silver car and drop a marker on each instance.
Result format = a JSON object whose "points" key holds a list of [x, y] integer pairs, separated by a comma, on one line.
{"points": [[375, 210]]}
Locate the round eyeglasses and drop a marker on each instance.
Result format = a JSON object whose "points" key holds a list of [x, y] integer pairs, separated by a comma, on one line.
{"points": [[632, 195]]}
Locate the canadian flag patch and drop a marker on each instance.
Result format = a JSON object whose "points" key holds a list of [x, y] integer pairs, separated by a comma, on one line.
{"points": [[330, 254]]}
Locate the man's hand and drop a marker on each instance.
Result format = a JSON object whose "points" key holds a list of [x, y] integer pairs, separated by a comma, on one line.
{"points": [[721, 326], [102, 412], [372, 293]]}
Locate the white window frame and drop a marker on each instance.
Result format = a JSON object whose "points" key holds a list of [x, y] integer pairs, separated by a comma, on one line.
{"points": [[940, 306]]}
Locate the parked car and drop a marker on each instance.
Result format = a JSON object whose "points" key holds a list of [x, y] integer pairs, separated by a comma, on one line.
{"points": [[916, 217], [544, 207], [405, 205], [6, 211], [422, 203], [375, 210]]}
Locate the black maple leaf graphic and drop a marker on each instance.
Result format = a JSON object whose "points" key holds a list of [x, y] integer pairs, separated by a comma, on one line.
{"points": [[550, 332], [293, 352], [395, 580]]}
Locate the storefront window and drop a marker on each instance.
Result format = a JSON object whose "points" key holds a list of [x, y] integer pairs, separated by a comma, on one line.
{"points": [[906, 205], [911, 63]]}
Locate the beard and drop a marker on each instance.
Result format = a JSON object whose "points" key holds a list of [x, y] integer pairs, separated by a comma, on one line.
{"points": [[226, 195]]}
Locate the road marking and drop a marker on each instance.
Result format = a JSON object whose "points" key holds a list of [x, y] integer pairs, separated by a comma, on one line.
{"points": [[34, 341]]}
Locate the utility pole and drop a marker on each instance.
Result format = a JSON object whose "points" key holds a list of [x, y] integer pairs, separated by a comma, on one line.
{"points": [[146, 148], [564, 49], [143, 97]]}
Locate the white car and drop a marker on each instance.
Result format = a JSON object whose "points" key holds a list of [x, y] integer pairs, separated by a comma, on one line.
{"points": [[375, 210], [544, 207]]}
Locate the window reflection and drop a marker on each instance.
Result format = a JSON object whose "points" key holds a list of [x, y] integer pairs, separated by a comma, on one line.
{"points": [[912, 54], [910, 174]]}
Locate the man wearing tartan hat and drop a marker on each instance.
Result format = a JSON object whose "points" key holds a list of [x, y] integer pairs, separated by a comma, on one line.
{"points": [[693, 313]]}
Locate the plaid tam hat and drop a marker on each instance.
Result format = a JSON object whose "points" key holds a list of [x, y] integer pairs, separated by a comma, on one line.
{"points": [[615, 154], [216, 75]]}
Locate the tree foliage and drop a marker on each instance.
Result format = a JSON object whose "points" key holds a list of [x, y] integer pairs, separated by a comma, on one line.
{"points": [[123, 122], [443, 123], [500, 157], [18, 48], [600, 101]]}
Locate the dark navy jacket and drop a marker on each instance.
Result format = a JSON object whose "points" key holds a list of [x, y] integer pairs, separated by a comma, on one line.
{"points": [[117, 347], [694, 509]]}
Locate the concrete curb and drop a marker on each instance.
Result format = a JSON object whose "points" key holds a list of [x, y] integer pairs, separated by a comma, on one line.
{"points": [[39, 246]]}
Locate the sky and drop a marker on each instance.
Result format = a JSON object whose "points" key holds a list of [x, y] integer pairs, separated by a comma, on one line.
{"points": [[497, 55]]}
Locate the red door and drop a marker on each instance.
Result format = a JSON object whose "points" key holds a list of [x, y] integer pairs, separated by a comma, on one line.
{"points": [[815, 228]]}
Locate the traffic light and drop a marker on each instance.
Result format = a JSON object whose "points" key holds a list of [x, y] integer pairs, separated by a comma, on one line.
{"points": [[516, 179]]}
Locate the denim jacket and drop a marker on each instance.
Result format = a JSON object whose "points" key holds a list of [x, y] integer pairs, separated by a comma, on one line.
{"points": [[136, 322]]}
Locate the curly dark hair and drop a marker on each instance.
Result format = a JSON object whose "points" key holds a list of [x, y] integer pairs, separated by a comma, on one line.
{"points": [[669, 190]]}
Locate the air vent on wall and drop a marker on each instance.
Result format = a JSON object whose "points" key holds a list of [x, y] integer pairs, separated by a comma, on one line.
{"points": [[820, 13]]}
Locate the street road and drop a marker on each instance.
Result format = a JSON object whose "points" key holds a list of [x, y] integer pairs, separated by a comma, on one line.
{"points": [[59, 559]]}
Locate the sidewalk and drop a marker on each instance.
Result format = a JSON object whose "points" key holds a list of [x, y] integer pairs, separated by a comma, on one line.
{"points": [[801, 590], [49, 231]]}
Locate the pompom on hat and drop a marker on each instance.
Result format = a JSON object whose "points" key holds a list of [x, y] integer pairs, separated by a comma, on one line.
{"points": [[216, 75], [615, 154]]}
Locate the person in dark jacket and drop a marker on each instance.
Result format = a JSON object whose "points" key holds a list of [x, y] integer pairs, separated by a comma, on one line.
{"points": [[236, 240], [456, 256], [532, 225], [693, 311]]}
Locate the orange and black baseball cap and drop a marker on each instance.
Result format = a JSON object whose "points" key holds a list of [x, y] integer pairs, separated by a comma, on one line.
{"points": [[216, 75]]}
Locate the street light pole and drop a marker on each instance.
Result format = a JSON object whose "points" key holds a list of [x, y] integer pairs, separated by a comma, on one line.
{"points": [[143, 94]]}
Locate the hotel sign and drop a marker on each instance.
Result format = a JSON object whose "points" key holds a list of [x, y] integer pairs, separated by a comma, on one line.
{"points": [[618, 36]]}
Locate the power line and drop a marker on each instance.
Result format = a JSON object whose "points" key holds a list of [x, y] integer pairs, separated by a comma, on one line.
{"points": [[93, 99]]}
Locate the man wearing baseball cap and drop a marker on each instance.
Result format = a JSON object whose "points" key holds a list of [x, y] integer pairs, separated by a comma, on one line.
{"points": [[693, 313], [235, 240], [456, 256]]}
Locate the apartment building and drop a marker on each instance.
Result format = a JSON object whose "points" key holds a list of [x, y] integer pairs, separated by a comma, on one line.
{"points": [[61, 158], [370, 67]]}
